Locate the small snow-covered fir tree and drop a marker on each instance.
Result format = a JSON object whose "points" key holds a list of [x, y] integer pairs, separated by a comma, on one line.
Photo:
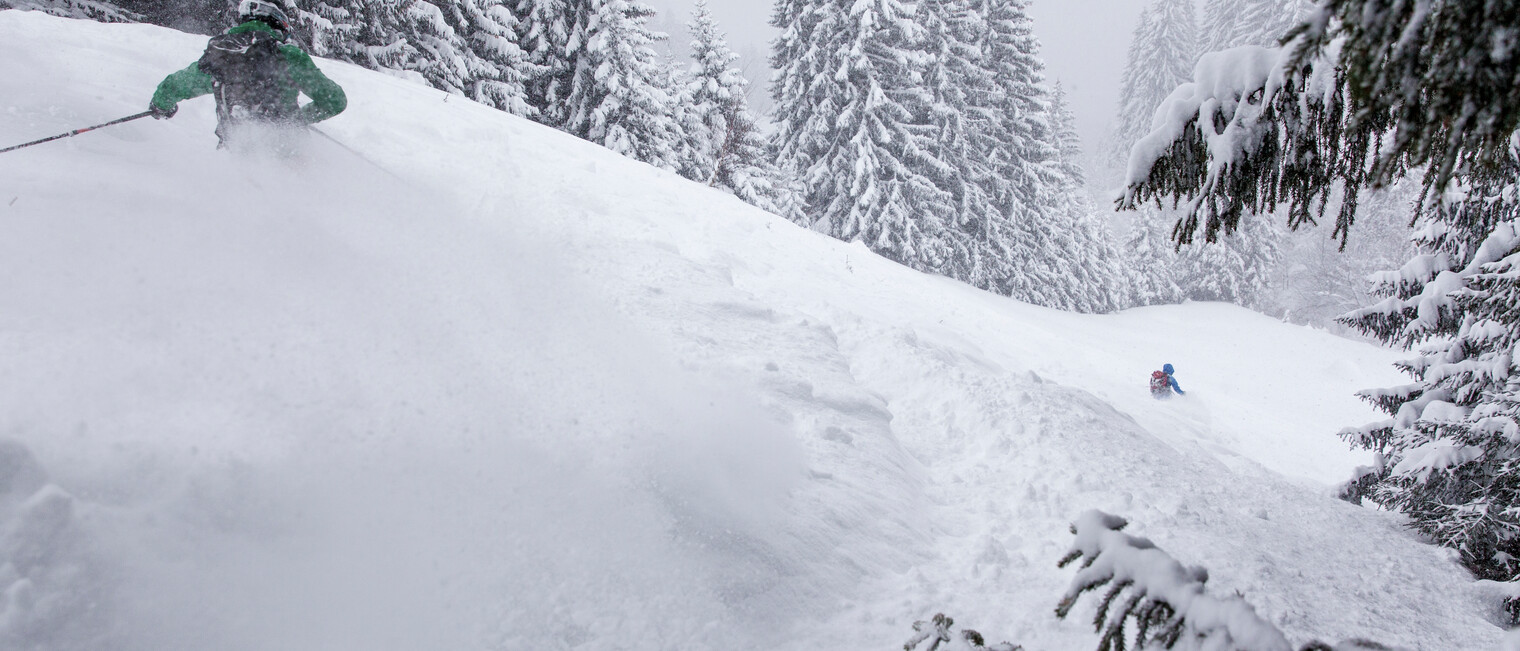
{"points": [[939, 634], [725, 148], [846, 102], [1161, 57], [1152, 258]]}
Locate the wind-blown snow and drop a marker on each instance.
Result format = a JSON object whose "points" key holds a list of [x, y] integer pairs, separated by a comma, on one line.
{"points": [[541, 396]]}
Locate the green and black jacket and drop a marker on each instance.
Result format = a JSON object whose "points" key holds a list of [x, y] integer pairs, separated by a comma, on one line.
{"points": [[327, 98]]}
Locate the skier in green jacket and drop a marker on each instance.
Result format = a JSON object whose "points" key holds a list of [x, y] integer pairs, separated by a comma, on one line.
{"points": [[256, 76]]}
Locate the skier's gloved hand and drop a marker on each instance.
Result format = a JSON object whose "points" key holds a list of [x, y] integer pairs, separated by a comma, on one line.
{"points": [[163, 113]]}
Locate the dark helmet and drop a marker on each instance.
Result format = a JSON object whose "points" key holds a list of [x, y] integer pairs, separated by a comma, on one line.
{"points": [[270, 12], [1166, 368]]}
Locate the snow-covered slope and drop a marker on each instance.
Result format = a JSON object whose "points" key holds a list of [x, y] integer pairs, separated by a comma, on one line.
{"points": [[540, 396]]}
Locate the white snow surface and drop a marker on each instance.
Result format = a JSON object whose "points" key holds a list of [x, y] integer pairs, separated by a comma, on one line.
{"points": [[540, 396]]}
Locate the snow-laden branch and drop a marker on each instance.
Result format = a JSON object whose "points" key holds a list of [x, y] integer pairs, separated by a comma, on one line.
{"points": [[1165, 600]]}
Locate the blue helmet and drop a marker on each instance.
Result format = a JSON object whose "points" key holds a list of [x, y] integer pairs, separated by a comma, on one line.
{"points": [[1166, 368]]}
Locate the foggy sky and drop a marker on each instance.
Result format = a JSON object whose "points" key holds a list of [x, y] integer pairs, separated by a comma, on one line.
{"points": [[1083, 43]]}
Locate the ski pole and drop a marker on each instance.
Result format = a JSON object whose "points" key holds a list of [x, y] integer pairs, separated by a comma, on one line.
{"points": [[76, 132], [358, 155]]}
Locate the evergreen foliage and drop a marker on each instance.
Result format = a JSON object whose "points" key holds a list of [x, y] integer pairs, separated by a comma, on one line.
{"points": [[725, 148], [1398, 90], [464, 47], [1155, 602], [1161, 57], [846, 105], [959, 132], [1095, 278], [1238, 268], [1233, 23], [606, 84], [543, 33], [102, 10], [1452, 447], [1153, 258], [931, 137]]}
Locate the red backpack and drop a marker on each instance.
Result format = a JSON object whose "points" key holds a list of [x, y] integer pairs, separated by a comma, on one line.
{"points": [[1160, 383]]}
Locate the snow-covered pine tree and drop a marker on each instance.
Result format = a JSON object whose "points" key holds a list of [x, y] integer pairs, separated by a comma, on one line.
{"points": [[846, 100], [326, 30], [963, 129], [1151, 601], [1451, 451], [939, 632], [1044, 243], [1233, 23], [1068, 144], [1017, 148], [499, 68], [1152, 258], [1096, 275], [543, 34], [1318, 280], [1237, 268], [101, 10], [726, 149], [605, 83], [1161, 57]]}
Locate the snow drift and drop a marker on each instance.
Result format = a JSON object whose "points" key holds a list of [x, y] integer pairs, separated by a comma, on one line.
{"points": [[539, 396]]}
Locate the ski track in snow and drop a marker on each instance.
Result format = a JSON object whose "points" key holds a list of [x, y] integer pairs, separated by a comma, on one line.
{"points": [[546, 397]]}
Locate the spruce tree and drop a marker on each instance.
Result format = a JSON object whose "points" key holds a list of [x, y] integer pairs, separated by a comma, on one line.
{"points": [[1047, 245], [1233, 23], [962, 132], [725, 148], [1239, 268], [101, 10], [606, 83], [846, 103], [543, 33], [1152, 258], [1098, 276], [1450, 457], [464, 47], [1017, 148], [1161, 57]]}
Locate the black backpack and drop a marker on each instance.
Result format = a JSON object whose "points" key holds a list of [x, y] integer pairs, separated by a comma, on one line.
{"points": [[251, 77]]}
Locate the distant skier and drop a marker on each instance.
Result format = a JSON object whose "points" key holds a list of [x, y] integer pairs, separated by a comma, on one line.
{"points": [[1163, 384], [256, 76]]}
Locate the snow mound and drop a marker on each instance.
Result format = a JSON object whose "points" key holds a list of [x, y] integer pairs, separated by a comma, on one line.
{"points": [[540, 396]]}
